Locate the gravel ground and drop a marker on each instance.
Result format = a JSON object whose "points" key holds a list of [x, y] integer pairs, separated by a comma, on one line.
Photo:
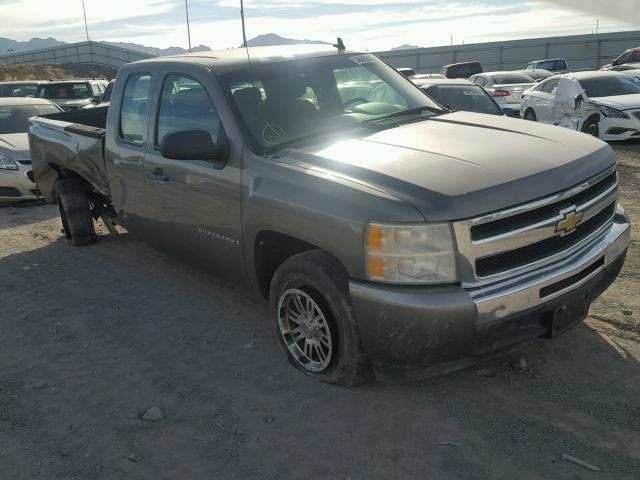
{"points": [[90, 338]]}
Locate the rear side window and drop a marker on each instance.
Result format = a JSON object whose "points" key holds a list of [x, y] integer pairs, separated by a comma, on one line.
{"points": [[185, 105], [550, 86], [134, 114]]}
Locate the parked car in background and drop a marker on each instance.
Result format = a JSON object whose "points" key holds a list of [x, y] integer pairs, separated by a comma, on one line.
{"points": [[105, 98], [459, 95], [73, 94], [506, 88], [461, 70], [395, 238], [536, 75], [628, 60], [407, 72], [603, 104], [555, 65], [25, 88], [420, 76], [16, 179]]}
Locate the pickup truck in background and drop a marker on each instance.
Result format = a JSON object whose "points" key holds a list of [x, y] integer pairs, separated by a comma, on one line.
{"points": [[389, 237], [73, 94]]}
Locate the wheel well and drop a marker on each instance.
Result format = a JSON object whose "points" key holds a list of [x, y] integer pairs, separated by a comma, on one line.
{"points": [[592, 117], [271, 249]]}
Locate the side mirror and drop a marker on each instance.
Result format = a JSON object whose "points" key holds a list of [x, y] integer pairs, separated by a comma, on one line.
{"points": [[95, 99], [509, 112], [578, 100], [192, 145], [615, 62]]}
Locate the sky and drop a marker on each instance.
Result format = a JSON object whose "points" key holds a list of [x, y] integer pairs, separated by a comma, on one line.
{"points": [[363, 24]]}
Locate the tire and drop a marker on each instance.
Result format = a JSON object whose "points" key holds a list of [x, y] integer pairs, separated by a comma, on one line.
{"points": [[75, 211], [592, 127], [530, 115], [314, 288]]}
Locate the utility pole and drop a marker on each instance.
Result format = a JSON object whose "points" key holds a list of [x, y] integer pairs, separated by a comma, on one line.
{"points": [[186, 8], [86, 28], [244, 33], [597, 25]]}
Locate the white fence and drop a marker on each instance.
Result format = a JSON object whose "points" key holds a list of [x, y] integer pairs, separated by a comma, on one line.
{"points": [[583, 52]]}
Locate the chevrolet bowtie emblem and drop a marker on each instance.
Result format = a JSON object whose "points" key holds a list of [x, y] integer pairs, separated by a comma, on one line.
{"points": [[570, 221]]}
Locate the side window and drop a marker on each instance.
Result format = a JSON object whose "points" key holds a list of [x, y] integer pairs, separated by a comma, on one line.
{"points": [[561, 65], [134, 113], [185, 105], [529, 67], [550, 86]]}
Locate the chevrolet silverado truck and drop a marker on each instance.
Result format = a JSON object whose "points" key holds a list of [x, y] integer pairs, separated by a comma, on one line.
{"points": [[392, 238]]}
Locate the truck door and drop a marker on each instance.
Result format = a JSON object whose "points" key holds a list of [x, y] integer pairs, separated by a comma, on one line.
{"points": [[196, 203], [126, 147]]}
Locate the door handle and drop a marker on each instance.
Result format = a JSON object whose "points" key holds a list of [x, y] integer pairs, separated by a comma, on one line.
{"points": [[158, 176]]}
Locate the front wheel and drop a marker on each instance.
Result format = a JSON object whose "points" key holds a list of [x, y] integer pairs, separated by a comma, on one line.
{"points": [[592, 127], [530, 115], [314, 321]]}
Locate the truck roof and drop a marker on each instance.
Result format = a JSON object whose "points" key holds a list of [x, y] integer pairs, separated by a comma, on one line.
{"points": [[229, 59]]}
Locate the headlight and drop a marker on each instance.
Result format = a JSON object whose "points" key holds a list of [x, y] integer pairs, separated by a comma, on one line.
{"points": [[7, 164], [612, 112], [412, 254]]}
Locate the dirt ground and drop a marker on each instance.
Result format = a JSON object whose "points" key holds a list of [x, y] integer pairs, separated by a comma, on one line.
{"points": [[92, 337]]}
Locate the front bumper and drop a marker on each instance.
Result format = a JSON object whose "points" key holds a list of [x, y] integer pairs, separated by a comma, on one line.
{"points": [[616, 129], [412, 333], [17, 186]]}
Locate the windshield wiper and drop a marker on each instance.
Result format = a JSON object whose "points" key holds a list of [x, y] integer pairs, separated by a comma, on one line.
{"points": [[410, 111]]}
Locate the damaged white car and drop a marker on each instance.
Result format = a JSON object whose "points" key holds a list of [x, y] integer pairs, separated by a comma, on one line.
{"points": [[603, 104]]}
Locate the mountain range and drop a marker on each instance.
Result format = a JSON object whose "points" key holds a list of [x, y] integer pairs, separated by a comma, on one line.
{"points": [[8, 46]]}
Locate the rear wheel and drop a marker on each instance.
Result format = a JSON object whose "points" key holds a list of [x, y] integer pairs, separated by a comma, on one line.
{"points": [[530, 115], [75, 211], [592, 126], [314, 321]]}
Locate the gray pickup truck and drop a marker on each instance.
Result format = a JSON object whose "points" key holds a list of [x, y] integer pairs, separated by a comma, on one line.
{"points": [[390, 236]]}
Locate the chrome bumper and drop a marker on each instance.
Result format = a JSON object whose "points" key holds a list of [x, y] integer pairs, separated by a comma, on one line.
{"points": [[522, 293]]}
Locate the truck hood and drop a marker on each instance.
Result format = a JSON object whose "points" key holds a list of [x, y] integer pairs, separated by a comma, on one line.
{"points": [[620, 102], [16, 145], [463, 164]]}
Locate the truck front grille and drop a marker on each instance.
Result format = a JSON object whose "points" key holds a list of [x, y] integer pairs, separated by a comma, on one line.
{"points": [[530, 236], [535, 252], [515, 222]]}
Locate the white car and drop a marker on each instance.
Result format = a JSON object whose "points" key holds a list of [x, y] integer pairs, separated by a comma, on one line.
{"points": [[603, 104], [506, 88], [16, 179]]}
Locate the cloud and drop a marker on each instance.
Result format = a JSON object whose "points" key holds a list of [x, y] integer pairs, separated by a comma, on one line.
{"points": [[371, 24], [626, 11]]}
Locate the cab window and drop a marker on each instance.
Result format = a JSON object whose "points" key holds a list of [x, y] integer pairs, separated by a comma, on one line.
{"points": [[134, 113], [550, 86], [185, 105]]}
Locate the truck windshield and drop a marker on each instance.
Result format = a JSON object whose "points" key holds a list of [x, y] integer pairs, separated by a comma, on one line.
{"points": [[15, 119], [301, 100], [64, 91]]}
